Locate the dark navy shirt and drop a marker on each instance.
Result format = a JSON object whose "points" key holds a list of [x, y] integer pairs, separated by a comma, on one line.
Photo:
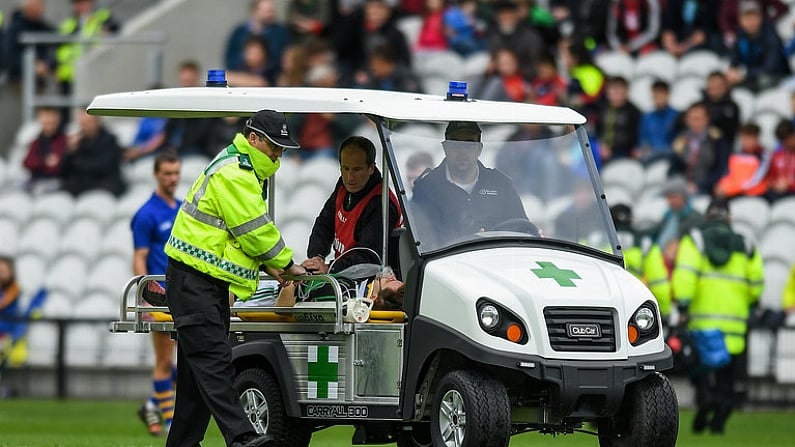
{"points": [[151, 227]]}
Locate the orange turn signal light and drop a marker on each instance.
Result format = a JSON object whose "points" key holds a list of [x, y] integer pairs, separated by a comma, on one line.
{"points": [[514, 333], [632, 333]]}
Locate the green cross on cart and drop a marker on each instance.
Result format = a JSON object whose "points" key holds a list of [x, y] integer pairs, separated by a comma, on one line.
{"points": [[323, 372], [549, 270]]}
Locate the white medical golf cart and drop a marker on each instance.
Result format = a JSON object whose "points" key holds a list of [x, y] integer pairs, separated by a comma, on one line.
{"points": [[509, 329]]}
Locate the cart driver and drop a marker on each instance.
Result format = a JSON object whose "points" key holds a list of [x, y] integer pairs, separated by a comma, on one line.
{"points": [[461, 196]]}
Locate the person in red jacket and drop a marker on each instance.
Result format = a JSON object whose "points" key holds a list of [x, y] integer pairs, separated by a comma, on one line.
{"points": [[781, 171], [46, 152]]}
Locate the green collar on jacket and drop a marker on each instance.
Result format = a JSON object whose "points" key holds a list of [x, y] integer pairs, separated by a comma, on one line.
{"points": [[264, 167]]}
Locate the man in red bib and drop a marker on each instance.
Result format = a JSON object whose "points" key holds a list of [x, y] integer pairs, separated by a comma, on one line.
{"points": [[350, 221]]}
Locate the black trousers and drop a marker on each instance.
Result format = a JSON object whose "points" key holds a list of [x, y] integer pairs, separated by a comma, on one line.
{"points": [[716, 395], [199, 305]]}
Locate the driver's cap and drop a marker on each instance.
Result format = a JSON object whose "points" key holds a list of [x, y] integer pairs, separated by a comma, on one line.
{"points": [[462, 131], [273, 126]]}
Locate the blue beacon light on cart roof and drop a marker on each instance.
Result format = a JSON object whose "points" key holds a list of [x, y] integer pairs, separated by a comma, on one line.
{"points": [[457, 91], [216, 78]]}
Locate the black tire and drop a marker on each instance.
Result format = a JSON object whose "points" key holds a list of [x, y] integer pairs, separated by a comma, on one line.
{"points": [[649, 416], [418, 436], [470, 410], [262, 403]]}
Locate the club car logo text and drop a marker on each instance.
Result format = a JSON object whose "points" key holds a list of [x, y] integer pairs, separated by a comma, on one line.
{"points": [[581, 330], [336, 411]]}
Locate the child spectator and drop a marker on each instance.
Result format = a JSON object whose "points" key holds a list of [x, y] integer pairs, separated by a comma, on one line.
{"points": [[658, 127], [45, 155], [504, 80], [757, 58], [548, 87], [262, 22], [619, 121], [511, 31], [633, 26], [723, 111], [93, 160], [781, 172], [463, 29], [729, 16], [432, 34], [386, 72], [742, 177], [587, 80], [701, 154]]}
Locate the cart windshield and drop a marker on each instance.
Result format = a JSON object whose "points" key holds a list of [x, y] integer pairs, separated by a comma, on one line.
{"points": [[467, 182]]}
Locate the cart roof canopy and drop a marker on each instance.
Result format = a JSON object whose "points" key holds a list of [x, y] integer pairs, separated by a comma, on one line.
{"points": [[202, 102]]}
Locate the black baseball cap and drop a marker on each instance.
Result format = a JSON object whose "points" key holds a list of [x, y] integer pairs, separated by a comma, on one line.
{"points": [[462, 131], [273, 126]]}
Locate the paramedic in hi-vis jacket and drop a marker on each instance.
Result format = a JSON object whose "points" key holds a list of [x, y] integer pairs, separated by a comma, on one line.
{"points": [[717, 279], [221, 239]]}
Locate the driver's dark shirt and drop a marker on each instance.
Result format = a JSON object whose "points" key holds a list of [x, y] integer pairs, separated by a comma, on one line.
{"points": [[449, 212]]}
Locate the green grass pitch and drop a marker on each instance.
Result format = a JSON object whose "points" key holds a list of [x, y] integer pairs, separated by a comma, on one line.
{"points": [[76, 423]]}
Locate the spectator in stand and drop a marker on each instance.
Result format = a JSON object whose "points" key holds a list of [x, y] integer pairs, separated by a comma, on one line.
{"points": [[308, 18], [44, 160], [432, 36], [548, 87], [319, 134], [677, 220], [379, 30], [743, 176], [504, 80], [148, 138], [387, 73], [187, 136], [29, 17], [633, 26], [582, 22], [729, 16], [690, 25], [9, 301], [254, 72], [619, 122], [658, 126], [511, 31], [781, 171], [262, 22], [586, 79], [463, 28], [294, 69], [541, 19], [757, 58], [408, 7], [701, 154], [723, 111], [93, 158]]}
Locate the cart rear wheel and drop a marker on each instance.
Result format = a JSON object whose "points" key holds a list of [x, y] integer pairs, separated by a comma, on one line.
{"points": [[470, 410], [262, 403], [649, 416]]}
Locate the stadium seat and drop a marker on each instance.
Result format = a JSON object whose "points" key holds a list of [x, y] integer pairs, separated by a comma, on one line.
{"points": [[125, 350], [616, 194], [783, 210], [117, 240], [534, 208], [648, 213], [68, 274], [751, 210], [82, 238], [656, 173], [747, 230], [17, 205], [699, 63], [658, 64], [627, 173], [778, 242], [98, 205], [773, 100], [296, 235], [700, 202], [686, 91], [40, 237], [640, 93], [31, 269], [475, 65], [439, 64], [410, 26], [192, 167], [760, 352], [128, 204], [141, 172], [123, 128], [553, 209], [305, 203], [287, 177], [58, 305], [320, 171], [42, 339], [776, 275], [83, 344], [616, 63], [767, 121], [785, 356], [435, 85], [108, 276], [98, 305], [745, 101], [8, 236], [57, 206]]}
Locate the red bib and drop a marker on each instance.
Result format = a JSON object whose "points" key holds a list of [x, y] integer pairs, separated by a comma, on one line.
{"points": [[345, 221]]}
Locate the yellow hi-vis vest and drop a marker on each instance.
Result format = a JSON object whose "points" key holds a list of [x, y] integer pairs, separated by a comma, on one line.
{"points": [[648, 265], [718, 297], [222, 228], [67, 54], [788, 297]]}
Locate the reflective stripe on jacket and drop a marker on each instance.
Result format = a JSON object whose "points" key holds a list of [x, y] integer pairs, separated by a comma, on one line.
{"points": [[67, 54], [222, 228], [719, 296], [645, 261]]}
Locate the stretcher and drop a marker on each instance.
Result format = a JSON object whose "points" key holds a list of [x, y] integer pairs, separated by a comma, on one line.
{"points": [[138, 315]]}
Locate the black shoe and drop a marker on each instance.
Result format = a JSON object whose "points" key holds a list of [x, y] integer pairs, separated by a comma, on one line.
{"points": [[700, 421], [255, 441]]}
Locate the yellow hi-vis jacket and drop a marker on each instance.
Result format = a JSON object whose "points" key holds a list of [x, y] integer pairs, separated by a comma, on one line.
{"points": [[222, 228], [717, 277], [644, 259], [67, 54], [788, 297]]}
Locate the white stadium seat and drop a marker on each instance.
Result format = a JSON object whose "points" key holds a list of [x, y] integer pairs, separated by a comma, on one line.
{"points": [[8, 236], [699, 63], [128, 204], [776, 275], [68, 274], [656, 173], [760, 350], [534, 208], [31, 270], [685, 92], [778, 241], [192, 167], [627, 173], [117, 240], [83, 344], [322, 171], [97, 205], [125, 350], [58, 305], [752, 210], [616, 63], [82, 237], [439, 63], [17, 205], [58, 206], [475, 65], [783, 210], [640, 93], [785, 356], [42, 339], [658, 64], [108, 275], [305, 203], [616, 194], [745, 100], [773, 100], [40, 237]]}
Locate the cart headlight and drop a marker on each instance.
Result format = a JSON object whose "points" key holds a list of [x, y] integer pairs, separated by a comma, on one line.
{"points": [[644, 319], [489, 317]]}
